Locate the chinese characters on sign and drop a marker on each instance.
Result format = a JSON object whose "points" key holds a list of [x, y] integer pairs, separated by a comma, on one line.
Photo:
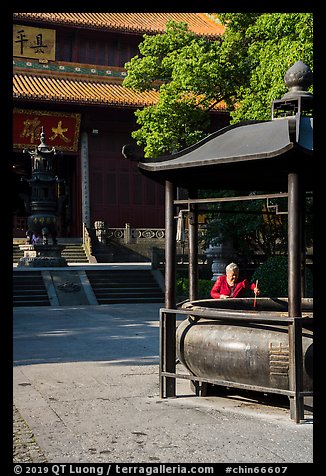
{"points": [[31, 42], [85, 180], [61, 129]]}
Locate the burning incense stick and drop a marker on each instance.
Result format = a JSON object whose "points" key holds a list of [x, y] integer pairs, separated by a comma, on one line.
{"points": [[255, 300]]}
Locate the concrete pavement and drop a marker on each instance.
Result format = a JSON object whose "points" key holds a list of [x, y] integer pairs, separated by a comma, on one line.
{"points": [[85, 381]]}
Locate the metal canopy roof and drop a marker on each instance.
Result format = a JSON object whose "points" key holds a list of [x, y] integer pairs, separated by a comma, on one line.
{"points": [[246, 155]]}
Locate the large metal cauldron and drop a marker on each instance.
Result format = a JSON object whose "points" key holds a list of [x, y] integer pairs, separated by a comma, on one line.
{"points": [[248, 353]]}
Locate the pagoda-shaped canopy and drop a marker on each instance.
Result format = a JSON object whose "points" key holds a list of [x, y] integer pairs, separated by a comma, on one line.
{"points": [[256, 155]]}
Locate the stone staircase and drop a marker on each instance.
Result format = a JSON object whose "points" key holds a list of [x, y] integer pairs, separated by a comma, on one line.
{"points": [[16, 253], [73, 252], [107, 285], [124, 286], [29, 289]]}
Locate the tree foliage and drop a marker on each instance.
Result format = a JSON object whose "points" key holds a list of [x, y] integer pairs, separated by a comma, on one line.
{"points": [[273, 278], [249, 225], [274, 42], [244, 68]]}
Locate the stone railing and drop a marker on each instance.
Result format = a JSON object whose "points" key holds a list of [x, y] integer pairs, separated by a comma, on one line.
{"points": [[128, 235], [88, 245]]}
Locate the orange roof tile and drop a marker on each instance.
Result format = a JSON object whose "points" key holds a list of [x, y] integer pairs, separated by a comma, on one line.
{"points": [[48, 89], [45, 88], [199, 23]]}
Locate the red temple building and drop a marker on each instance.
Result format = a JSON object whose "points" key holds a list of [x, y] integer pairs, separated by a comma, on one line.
{"points": [[68, 73]]}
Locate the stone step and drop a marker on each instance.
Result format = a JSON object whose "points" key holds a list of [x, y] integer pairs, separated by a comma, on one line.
{"points": [[128, 294], [31, 297], [124, 282], [72, 252], [29, 289], [149, 288], [131, 300], [27, 303], [124, 286]]}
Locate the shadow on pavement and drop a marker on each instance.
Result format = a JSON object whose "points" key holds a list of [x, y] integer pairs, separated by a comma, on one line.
{"points": [[118, 334]]}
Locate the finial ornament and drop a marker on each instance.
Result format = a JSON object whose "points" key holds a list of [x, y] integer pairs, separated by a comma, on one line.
{"points": [[43, 147], [298, 78]]}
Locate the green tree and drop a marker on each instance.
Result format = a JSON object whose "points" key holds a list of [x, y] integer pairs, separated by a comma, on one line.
{"points": [[273, 43], [273, 278], [190, 74], [244, 68], [250, 225]]}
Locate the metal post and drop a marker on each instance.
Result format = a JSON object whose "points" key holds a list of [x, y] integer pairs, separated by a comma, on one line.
{"points": [[127, 234], [169, 321], [193, 247], [294, 298], [303, 243], [162, 355], [294, 246]]}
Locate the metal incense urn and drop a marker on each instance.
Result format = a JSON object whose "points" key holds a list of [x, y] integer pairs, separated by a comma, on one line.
{"points": [[255, 354], [42, 223]]}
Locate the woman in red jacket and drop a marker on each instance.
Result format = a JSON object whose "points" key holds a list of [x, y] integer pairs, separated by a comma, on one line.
{"points": [[229, 285]]}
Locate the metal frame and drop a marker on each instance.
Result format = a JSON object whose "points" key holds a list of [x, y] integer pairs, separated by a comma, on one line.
{"points": [[296, 392], [296, 258], [231, 199]]}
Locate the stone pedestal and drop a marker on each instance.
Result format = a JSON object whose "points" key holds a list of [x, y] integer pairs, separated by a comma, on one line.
{"points": [[42, 256], [220, 255]]}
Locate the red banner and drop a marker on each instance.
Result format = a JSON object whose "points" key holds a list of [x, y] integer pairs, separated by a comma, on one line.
{"points": [[61, 129]]}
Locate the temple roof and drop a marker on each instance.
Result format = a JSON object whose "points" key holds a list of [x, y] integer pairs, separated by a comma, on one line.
{"points": [[77, 83], [73, 83], [199, 23], [75, 91]]}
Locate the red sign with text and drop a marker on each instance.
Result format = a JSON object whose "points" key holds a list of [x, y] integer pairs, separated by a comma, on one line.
{"points": [[61, 129]]}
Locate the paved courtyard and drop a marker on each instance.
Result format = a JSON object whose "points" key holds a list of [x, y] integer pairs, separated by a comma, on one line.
{"points": [[86, 390]]}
